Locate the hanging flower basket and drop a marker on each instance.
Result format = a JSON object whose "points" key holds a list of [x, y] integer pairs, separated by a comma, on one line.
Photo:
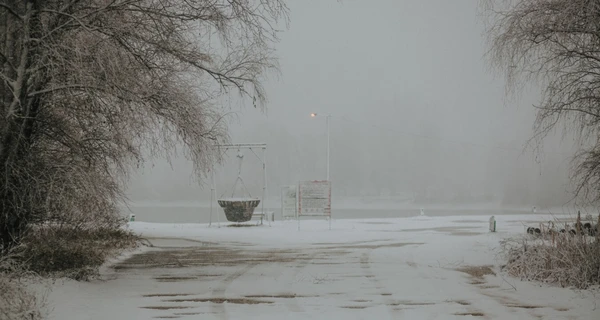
{"points": [[239, 209]]}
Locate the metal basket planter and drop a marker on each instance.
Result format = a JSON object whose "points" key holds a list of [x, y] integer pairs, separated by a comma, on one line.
{"points": [[238, 210]]}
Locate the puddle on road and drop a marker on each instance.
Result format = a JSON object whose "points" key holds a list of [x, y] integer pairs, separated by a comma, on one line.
{"points": [[174, 279], [461, 302], [411, 303], [511, 302], [185, 264], [221, 300], [165, 307], [167, 295], [199, 256], [278, 296], [470, 314], [378, 246]]}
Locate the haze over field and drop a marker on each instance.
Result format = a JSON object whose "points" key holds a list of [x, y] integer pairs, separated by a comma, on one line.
{"points": [[416, 113], [351, 159]]}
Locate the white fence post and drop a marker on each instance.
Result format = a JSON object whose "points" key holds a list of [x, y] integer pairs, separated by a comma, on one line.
{"points": [[493, 224]]}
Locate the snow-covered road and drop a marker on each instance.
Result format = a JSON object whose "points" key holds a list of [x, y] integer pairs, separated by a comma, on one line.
{"points": [[407, 268]]}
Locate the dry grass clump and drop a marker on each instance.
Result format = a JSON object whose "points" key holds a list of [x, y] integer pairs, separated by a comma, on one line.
{"points": [[71, 252], [58, 250], [567, 259], [16, 301], [477, 271]]}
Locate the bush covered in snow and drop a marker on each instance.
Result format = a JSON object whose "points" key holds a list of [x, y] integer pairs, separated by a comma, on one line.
{"points": [[71, 252], [55, 251], [569, 259], [16, 301]]}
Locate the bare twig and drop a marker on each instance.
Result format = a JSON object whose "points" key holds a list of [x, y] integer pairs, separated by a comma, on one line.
{"points": [[92, 88], [556, 45]]}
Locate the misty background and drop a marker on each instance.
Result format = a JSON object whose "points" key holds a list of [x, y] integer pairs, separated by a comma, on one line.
{"points": [[417, 115]]}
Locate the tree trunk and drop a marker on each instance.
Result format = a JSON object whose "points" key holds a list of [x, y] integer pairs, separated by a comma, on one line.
{"points": [[19, 114]]}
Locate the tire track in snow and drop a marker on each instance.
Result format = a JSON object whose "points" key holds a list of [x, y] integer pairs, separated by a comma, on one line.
{"points": [[365, 265], [293, 305], [290, 303], [219, 292]]}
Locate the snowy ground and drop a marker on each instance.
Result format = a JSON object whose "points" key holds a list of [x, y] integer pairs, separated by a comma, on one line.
{"points": [[406, 268]]}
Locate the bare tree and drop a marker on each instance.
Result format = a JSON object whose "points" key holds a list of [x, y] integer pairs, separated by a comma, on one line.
{"points": [[554, 44], [86, 86]]}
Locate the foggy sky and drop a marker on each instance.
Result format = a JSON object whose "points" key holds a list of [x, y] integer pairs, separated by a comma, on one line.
{"points": [[414, 107]]}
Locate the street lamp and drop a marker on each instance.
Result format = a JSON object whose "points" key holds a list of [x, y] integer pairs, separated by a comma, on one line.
{"points": [[327, 117]]}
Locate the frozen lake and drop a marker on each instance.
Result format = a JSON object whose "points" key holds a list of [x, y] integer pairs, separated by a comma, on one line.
{"points": [[200, 213]]}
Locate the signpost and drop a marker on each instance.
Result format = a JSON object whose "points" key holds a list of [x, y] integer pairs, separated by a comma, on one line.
{"points": [[493, 224], [314, 199], [289, 201]]}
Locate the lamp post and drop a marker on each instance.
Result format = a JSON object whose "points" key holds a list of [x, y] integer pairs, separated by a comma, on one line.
{"points": [[327, 119]]}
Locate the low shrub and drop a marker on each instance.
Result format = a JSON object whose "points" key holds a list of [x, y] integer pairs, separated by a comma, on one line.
{"points": [[17, 302], [72, 252], [569, 259]]}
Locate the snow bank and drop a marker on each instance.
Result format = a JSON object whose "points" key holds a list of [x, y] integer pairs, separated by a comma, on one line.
{"points": [[404, 268]]}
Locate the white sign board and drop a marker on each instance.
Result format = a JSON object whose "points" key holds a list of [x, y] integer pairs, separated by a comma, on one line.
{"points": [[289, 201], [314, 198]]}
